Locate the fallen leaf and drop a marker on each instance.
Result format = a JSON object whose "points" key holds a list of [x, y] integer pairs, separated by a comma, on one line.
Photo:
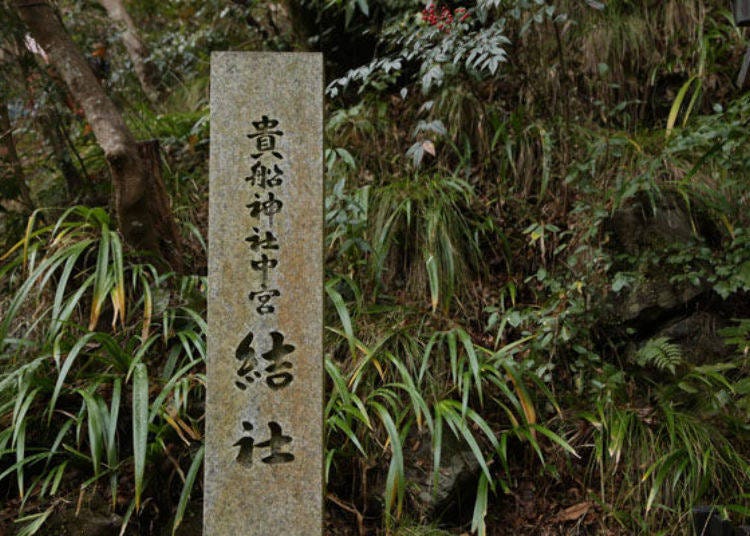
{"points": [[428, 147], [574, 512]]}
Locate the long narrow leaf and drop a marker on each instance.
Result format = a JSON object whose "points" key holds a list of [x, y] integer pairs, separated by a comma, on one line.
{"points": [[102, 279], [112, 421], [187, 487], [140, 427], [67, 364], [395, 481], [480, 506], [96, 430], [118, 292]]}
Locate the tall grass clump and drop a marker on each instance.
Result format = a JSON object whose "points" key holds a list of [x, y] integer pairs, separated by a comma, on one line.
{"points": [[425, 235], [396, 388], [100, 370]]}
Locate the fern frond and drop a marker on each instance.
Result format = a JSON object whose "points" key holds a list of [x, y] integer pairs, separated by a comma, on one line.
{"points": [[660, 354]]}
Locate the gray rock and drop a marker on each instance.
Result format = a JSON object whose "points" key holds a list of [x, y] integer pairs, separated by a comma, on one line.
{"points": [[651, 298], [650, 225], [697, 336], [456, 480]]}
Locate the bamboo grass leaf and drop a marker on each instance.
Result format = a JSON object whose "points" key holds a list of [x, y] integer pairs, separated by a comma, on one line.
{"points": [[552, 436], [419, 406], [434, 278], [148, 308], [112, 422], [118, 290], [395, 481], [346, 321], [102, 279], [65, 369], [96, 429], [74, 252], [677, 104], [168, 388], [34, 522], [140, 427], [474, 364], [480, 506], [450, 411], [187, 487]]}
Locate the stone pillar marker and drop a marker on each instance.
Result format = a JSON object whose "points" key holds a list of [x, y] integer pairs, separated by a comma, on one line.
{"points": [[264, 402]]}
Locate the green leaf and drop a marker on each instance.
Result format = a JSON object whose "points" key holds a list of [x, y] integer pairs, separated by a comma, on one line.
{"points": [[432, 273], [346, 320], [112, 421], [67, 364], [480, 506], [156, 407], [470, 349], [140, 427], [95, 428], [187, 487], [34, 522], [677, 104], [395, 481], [364, 7], [102, 280]]}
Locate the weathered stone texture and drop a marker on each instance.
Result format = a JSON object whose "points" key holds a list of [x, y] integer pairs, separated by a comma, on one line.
{"points": [[283, 498]]}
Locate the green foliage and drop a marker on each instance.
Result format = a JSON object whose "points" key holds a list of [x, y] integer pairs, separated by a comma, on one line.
{"points": [[348, 7], [461, 47], [661, 354], [414, 380], [76, 394], [549, 174], [674, 444], [653, 460], [423, 227], [473, 273]]}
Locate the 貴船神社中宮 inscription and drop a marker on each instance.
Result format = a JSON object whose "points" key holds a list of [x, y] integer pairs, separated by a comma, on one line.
{"points": [[264, 402]]}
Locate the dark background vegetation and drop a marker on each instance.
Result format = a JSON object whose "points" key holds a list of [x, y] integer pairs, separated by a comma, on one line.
{"points": [[537, 262]]}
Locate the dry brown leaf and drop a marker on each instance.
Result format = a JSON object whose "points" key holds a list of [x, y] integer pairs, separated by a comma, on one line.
{"points": [[574, 512]]}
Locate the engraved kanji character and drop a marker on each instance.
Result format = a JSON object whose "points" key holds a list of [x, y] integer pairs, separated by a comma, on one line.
{"points": [[248, 371], [275, 444], [264, 297], [263, 265], [265, 137], [257, 242], [246, 444], [263, 176], [277, 380], [267, 207]]}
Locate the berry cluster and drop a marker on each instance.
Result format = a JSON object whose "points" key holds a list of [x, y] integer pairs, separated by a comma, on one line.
{"points": [[443, 18]]}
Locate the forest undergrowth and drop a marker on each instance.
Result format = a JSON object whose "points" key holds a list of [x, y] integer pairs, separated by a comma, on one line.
{"points": [[537, 263]]}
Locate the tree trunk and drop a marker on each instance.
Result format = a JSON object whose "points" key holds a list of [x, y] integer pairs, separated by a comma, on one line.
{"points": [[130, 182], [51, 125], [135, 47], [15, 187], [158, 204], [303, 24]]}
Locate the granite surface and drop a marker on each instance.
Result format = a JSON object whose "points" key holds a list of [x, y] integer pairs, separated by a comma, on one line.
{"points": [[264, 424]]}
